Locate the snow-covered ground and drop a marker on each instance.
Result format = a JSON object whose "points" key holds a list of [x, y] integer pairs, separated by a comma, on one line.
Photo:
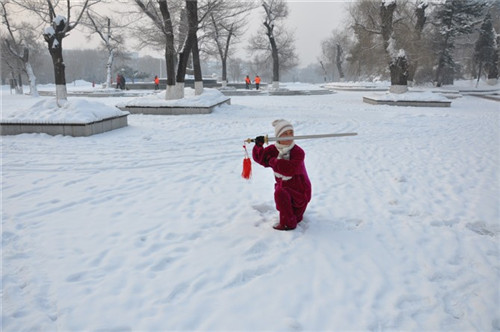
{"points": [[151, 227]]}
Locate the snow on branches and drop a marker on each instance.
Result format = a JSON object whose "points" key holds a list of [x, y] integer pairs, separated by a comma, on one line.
{"points": [[54, 33]]}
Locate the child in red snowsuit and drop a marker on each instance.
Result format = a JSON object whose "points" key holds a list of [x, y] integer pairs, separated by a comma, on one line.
{"points": [[292, 190]]}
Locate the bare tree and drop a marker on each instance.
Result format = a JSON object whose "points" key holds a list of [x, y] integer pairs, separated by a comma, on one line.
{"points": [[382, 24], [263, 60], [159, 13], [280, 42], [58, 28], [196, 17], [225, 26], [333, 51], [13, 66], [275, 10], [367, 55], [398, 61], [18, 42], [101, 25], [236, 69], [189, 42]]}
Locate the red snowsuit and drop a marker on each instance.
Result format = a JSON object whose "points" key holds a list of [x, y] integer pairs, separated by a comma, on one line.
{"points": [[292, 195]]}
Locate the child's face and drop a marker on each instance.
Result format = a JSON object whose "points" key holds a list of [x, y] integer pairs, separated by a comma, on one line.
{"points": [[288, 133]]}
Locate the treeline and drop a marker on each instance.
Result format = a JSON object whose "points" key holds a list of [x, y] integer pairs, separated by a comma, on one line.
{"points": [[435, 41], [441, 41], [89, 64]]}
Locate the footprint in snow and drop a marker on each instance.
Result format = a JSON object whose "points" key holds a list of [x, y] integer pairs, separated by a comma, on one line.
{"points": [[76, 277], [352, 224], [264, 208], [482, 228], [293, 324], [268, 214]]}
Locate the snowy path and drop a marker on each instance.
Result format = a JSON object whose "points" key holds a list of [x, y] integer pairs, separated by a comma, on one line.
{"points": [[151, 227]]}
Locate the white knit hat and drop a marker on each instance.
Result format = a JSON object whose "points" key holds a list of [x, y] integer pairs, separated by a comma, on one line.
{"points": [[280, 126]]}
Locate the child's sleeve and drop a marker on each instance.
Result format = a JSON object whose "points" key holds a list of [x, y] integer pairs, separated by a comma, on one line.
{"points": [[262, 155], [288, 167]]}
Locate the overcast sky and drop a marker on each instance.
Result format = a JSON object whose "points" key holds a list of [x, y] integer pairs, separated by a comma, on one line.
{"points": [[312, 21]]}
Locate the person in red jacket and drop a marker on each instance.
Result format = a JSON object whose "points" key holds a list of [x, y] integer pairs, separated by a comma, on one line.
{"points": [[157, 83], [257, 82], [292, 190], [247, 82]]}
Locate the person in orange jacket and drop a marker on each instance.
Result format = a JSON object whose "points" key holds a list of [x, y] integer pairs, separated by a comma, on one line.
{"points": [[257, 82], [157, 83], [247, 82]]}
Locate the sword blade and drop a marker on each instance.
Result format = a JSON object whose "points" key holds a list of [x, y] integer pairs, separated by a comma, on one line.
{"points": [[289, 138]]}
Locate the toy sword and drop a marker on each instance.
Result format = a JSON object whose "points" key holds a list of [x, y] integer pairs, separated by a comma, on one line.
{"points": [[289, 138]]}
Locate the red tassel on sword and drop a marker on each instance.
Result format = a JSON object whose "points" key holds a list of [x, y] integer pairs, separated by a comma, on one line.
{"points": [[247, 165]]}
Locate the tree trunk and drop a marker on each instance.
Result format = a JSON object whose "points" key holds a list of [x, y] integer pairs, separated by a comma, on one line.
{"points": [[29, 72], [443, 60], [182, 65], [224, 70], [170, 55], [18, 84], [493, 67], [449, 75], [398, 63], [274, 54], [111, 57], [192, 12], [198, 77], [109, 67], [399, 72], [419, 27], [386, 15], [59, 72], [224, 55], [276, 62], [339, 62], [32, 80], [170, 58], [54, 37]]}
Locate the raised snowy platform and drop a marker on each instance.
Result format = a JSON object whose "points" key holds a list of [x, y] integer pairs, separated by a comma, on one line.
{"points": [[173, 110], [67, 129], [416, 99], [234, 92], [357, 86], [191, 104], [70, 118], [87, 93], [286, 92]]}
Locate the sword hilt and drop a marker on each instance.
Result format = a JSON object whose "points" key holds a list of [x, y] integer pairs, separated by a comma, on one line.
{"points": [[252, 140]]}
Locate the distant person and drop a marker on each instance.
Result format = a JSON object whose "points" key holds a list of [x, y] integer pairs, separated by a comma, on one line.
{"points": [[122, 82], [118, 84], [247, 82], [157, 83], [257, 82]]}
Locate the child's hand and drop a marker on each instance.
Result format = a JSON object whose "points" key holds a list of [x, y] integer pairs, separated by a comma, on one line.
{"points": [[259, 140]]}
